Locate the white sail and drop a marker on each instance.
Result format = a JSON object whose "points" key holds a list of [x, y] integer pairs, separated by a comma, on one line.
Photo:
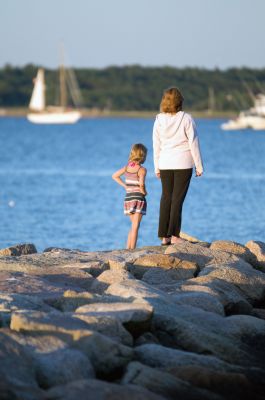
{"points": [[37, 101]]}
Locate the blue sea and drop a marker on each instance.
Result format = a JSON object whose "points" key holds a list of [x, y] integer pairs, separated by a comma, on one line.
{"points": [[56, 187]]}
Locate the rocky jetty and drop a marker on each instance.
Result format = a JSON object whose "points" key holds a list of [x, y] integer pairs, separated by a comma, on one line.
{"points": [[185, 321]]}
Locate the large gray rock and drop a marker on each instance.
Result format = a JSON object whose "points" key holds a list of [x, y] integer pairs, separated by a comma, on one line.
{"points": [[109, 277], [249, 281], [13, 301], [159, 276], [74, 325], [53, 361], [106, 324], [231, 297], [108, 357], [235, 248], [36, 344], [61, 367], [162, 357], [136, 317], [71, 300], [17, 371], [43, 283], [173, 266], [230, 385], [205, 301], [19, 249], [135, 289], [193, 329], [258, 250], [200, 255], [99, 390], [163, 383]]}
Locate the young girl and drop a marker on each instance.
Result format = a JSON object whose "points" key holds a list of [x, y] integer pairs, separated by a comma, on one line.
{"points": [[134, 202]]}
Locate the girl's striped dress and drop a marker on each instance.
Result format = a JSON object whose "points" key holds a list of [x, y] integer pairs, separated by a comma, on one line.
{"points": [[134, 201]]}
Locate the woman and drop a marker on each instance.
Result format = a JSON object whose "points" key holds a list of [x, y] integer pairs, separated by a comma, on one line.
{"points": [[176, 152]]}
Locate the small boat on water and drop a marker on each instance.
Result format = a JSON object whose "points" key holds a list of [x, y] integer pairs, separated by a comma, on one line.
{"points": [[254, 118], [42, 114]]}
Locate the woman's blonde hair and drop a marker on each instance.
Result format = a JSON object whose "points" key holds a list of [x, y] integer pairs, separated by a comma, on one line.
{"points": [[138, 153], [171, 101]]}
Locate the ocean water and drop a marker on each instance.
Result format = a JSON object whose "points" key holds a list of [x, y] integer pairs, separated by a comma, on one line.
{"points": [[56, 187]]}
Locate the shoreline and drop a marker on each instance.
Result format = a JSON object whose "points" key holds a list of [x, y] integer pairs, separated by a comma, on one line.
{"points": [[96, 113]]}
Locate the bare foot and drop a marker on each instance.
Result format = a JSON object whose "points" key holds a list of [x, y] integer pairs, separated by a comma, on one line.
{"points": [[175, 240], [166, 241]]}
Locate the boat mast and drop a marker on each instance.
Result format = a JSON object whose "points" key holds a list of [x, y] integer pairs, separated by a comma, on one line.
{"points": [[63, 94]]}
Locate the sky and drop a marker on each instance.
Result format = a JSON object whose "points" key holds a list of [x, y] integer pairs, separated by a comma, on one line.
{"points": [[99, 33]]}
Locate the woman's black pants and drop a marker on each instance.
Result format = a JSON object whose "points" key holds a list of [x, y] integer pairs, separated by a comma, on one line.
{"points": [[175, 184]]}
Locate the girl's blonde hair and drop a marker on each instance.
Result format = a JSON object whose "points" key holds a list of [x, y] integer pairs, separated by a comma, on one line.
{"points": [[138, 153], [171, 101]]}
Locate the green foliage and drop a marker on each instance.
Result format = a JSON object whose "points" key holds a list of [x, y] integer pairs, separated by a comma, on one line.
{"points": [[139, 88]]}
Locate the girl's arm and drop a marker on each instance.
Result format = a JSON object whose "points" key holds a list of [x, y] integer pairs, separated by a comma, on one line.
{"points": [[117, 177], [142, 174]]}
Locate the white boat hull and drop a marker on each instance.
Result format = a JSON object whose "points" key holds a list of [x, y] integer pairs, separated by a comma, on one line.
{"points": [[255, 122], [66, 117], [254, 118]]}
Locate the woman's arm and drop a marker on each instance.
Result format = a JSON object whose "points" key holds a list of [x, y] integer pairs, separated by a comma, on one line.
{"points": [[156, 146], [117, 177], [194, 144], [142, 174]]}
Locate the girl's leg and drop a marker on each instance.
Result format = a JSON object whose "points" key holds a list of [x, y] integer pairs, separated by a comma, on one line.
{"points": [[129, 235], [136, 219]]}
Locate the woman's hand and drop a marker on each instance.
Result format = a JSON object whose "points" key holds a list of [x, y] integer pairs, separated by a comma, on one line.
{"points": [[158, 174], [199, 173]]}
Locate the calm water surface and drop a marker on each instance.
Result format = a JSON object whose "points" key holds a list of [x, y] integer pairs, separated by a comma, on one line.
{"points": [[56, 187]]}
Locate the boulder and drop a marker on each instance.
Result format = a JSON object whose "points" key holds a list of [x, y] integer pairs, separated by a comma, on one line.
{"points": [[250, 282], [182, 269], [19, 249], [13, 301], [17, 371], [259, 313], [43, 283], [108, 357], [93, 389], [235, 248], [230, 339], [117, 264], [229, 385], [62, 366], [205, 301], [107, 278], [140, 291], [136, 317], [71, 300], [200, 255], [163, 383], [106, 324], [73, 325], [165, 358], [231, 297], [159, 276], [258, 250]]}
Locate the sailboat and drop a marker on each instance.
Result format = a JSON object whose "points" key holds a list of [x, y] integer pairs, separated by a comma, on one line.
{"points": [[40, 114]]}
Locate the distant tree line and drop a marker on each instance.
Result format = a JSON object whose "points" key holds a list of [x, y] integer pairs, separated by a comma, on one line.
{"points": [[139, 88]]}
